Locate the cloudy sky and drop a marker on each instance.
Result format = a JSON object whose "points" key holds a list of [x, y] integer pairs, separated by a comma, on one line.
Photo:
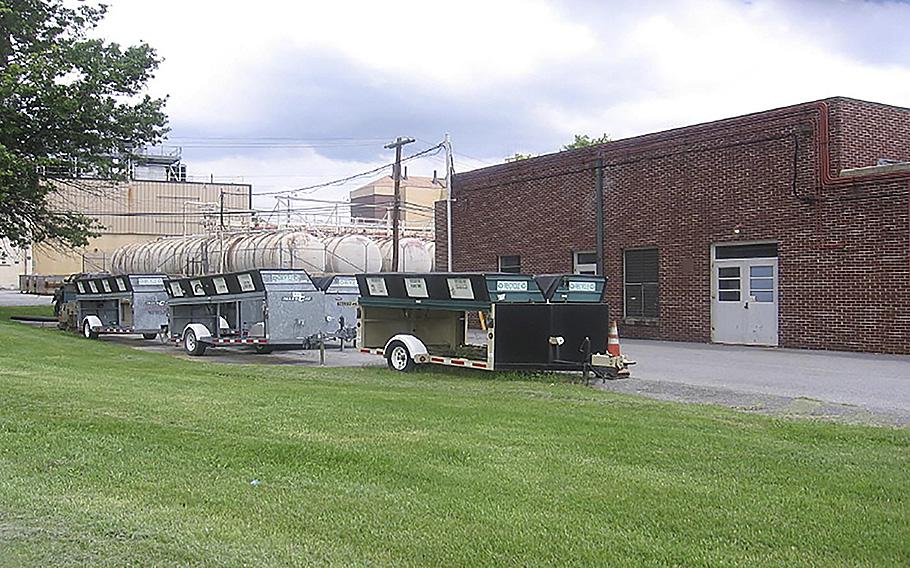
{"points": [[290, 94]]}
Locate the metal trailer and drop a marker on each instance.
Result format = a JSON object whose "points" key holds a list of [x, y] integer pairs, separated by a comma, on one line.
{"points": [[341, 295], [413, 319], [128, 304], [265, 309]]}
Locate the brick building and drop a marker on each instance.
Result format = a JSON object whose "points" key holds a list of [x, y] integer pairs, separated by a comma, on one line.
{"points": [[787, 227]]}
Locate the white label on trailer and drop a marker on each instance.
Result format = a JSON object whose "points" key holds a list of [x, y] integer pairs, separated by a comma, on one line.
{"points": [[118, 283], [107, 285], [91, 285], [416, 287], [511, 285], [81, 287], [198, 290], [377, 287], [246, 282], [344, 282], [284, 277], [176, 289], [150, 281], [460, 288], [220, 285], [297, 297], [575, 286]]}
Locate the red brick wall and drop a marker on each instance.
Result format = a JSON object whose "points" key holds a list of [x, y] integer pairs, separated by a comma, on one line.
{"points": [[862, 132], [844, 278]]}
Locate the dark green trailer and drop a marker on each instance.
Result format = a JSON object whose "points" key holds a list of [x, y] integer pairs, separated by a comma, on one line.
{"points": [[413, 319]]}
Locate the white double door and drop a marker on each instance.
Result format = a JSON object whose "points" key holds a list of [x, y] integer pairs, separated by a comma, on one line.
{"points": [[744, 301]]}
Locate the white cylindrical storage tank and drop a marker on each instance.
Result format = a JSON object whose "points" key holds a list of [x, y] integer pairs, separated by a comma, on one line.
{"points": [[413, 255], [121, 260], [195, 256], [347, 254], [431, 250], [286, 249]]}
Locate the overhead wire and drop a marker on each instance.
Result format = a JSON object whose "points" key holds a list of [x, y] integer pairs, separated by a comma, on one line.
{"points": [[310, 188]]}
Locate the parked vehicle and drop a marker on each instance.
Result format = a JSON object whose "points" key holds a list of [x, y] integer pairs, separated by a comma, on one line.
{"points": [[105, 304], [414, 319], [265, 309]]}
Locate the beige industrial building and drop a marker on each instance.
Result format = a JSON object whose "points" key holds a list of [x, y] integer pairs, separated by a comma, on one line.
{"points": [[418, 194], [139, 211], [12, 264], [156, 201]]}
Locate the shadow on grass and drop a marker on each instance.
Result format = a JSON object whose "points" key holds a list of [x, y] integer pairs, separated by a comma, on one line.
{"points": [[516, 376]]}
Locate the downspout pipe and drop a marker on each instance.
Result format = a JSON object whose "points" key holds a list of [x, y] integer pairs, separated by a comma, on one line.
{"points": [[599, 213]]}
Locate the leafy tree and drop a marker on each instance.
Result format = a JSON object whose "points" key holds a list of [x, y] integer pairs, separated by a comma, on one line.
{"points": [[65, 98], [583, 141], [517, 157]]}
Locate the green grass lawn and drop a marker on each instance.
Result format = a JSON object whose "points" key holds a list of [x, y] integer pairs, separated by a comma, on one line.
{"points": [[112, 456]]}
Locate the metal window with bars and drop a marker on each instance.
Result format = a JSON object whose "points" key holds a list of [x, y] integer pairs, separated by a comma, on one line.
{"points": [[642, 296]]}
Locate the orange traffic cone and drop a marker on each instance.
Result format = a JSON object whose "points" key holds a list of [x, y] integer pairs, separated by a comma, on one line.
{"points": [[613, 340]]}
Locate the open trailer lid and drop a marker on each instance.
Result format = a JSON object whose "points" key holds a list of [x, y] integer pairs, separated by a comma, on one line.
{"points": [[447, 290]]}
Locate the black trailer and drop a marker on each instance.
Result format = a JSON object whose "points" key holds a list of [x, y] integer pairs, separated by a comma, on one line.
{"points": [[413, 319], [126, 304], [264, 309]]}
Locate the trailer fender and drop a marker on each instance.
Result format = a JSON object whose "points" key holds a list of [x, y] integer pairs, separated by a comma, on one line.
{"points": [[416, 348], [202, 333], [93, 321]]}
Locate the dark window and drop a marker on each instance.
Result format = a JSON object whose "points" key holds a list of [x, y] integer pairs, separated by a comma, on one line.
{"points": [[584, 263], [641, 283], [510, 264], [764, 250]]}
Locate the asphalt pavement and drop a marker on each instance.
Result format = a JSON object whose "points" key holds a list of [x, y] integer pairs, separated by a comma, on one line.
{"points": [[857, 387], [15, 298]]}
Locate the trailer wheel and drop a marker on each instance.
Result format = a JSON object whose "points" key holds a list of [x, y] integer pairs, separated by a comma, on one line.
{"points": [[87, 331], [191, 344], [399, 358], [149, 335]]}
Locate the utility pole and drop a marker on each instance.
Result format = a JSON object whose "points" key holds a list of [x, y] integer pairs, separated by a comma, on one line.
{"points": [[450, 169], [221, 233], [396, 200]]}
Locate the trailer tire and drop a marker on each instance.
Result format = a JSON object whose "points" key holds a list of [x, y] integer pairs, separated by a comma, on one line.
{"points": [[87, 331], [399, 358], [149, 335], [192, 345]]}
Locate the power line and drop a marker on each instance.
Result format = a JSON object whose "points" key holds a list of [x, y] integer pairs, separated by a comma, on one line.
{"points": [[437, 148]]}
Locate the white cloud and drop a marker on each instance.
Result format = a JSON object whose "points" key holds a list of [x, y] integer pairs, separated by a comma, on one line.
{"points": [[551, 69], [210, 47], [702, 61]]}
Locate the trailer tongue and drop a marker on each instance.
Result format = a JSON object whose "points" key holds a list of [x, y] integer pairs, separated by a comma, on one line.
{"points": [[414, 319]]}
